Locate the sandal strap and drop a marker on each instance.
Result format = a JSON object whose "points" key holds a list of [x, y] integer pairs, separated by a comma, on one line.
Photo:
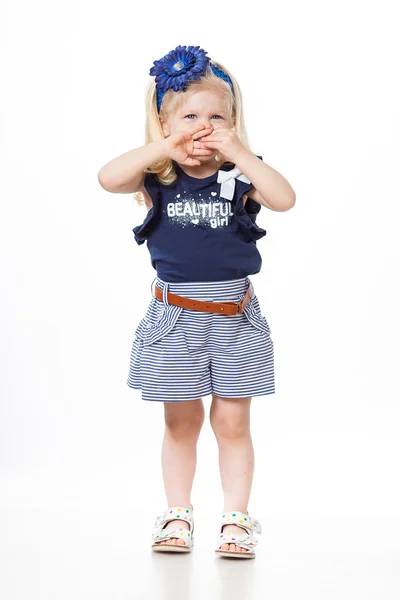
{"points": [[184, 513], [182, 534], [241, 519], [244, 541]]}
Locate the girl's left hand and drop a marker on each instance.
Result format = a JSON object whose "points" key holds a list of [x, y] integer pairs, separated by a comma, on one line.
{"points": [[225, 141]]}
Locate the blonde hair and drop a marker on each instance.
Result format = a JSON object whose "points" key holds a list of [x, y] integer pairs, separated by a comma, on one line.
{"points": [[171, 101]]}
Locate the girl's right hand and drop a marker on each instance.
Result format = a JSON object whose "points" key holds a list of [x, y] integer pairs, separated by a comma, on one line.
{"points": [[182, 145]]}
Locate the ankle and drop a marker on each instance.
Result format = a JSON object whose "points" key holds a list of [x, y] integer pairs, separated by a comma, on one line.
{"points": [[184, 505]]}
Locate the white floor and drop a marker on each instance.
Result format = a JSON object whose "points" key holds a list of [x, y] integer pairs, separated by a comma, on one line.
{"points": [[102, 554]]}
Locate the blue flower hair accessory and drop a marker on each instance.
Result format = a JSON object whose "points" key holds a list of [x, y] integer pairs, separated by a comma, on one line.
{"points": [[180, 66]]}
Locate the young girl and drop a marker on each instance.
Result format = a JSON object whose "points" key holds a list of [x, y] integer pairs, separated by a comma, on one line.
{"points": [[203, 332]]}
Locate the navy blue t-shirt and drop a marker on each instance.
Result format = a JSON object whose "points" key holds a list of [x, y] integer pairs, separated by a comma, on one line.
{"points": [[195, 234]]}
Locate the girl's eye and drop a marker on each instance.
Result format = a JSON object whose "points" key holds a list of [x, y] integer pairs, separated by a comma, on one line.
{"points": [[192, 115]]}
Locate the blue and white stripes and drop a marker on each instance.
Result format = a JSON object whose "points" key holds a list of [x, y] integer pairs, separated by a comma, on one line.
{"points": [[180, 354]]}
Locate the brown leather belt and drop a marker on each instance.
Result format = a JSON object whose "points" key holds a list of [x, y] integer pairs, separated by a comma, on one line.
{"points": [[228, 308]]}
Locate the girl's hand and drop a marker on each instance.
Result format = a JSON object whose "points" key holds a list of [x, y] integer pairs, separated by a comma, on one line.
{"points": [[225, 141], [181, 145]]}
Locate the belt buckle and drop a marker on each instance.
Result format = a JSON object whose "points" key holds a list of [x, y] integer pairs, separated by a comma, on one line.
{"points": [[239, 308]]}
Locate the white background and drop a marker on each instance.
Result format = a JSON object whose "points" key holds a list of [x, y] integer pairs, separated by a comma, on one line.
{"points": [[81, 479]]}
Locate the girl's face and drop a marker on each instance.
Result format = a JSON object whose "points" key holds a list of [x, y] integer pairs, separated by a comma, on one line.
{"points": [[201, 108]]}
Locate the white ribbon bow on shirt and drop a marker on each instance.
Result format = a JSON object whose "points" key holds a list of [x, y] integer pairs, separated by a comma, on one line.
{"points": [[227, 181]]}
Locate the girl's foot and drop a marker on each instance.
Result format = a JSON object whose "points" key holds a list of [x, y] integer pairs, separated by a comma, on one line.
{"points": [[232, 529], [173, 525]]}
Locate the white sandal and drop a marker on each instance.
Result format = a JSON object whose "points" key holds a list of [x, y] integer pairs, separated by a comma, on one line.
{"points": [[184, 513], [245, 540]]}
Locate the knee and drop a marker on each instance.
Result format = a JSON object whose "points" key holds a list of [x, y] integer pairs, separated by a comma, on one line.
{"points": [[230, 417], [184, 427], [232, 429], [184, 423]]}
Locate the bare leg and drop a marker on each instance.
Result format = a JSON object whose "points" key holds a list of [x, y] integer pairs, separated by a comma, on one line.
{"points": [[230, 421], [183, 423]]}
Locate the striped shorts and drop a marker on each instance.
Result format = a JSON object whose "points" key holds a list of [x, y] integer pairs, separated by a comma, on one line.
{"points": [[181, 354]]}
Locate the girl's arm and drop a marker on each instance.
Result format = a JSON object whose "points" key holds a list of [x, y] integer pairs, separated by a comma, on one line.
{"points": [[271, 189], [125, 173]]}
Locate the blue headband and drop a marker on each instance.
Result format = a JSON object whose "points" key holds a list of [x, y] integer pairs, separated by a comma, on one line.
{"points": [[180, 66]]}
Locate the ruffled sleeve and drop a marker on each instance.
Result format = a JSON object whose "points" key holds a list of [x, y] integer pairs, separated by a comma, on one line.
{"points": [[246, 214], [152, 186]]}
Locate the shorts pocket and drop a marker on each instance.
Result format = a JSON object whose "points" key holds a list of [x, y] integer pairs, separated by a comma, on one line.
{"points": [[158, 322], [253, 313]]}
